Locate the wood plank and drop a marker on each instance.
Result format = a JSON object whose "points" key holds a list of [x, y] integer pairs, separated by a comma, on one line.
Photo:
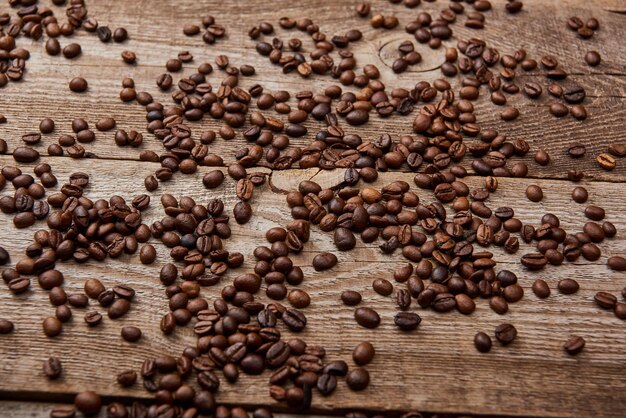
{"points": [[46, 78], [440, 354]]}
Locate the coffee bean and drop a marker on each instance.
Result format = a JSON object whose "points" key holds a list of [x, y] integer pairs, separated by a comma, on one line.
{"points": [[5, 258], [367, 317], [46, 126], [482, 342], [52, 327], [558, 109], [541, 289], [574, 345], [505, 333], [407, 321], [78, 85], [363, 353], [147, 254], [382, 287], [324, 261], [72, 51], [358, 379], [499, 305], [299, 298], [88, 402], [120, 35], [509, 114], [579, 194], [25, 154], [595, 213], [127, 378], [344, 239], [350, 297], [542, 158], [93, 288], [605, 300], [592, 58], [6, 326], [534, 193], [63, 411], [568, 286], [617, 263], [52, 368], [606, 161], [534, 261], [93, 318], [131, 334]]}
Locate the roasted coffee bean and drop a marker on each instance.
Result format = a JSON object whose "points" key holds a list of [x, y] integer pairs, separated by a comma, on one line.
{"points": [[131, 334], [505, 333], [358, 379], [350, 297], [574, 345], [407, 321], [363, 353], [324, 261], [382, 287], [568, 286], [52, 327], [89, 403], [482, 342], [78, 85], [534, 193], [606, 161], [367, 317], [6, 326], [617, 263], [52, 368], [541, 289], [605, 300]]}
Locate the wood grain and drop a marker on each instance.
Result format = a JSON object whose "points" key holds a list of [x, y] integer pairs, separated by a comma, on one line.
{"points": [[434, 369]]}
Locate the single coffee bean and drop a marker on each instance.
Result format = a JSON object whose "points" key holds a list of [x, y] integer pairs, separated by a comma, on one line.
{"points": [[617, 263], [541, 289], [52, 327], [482, 342], [350, 297], [131, 334], [592, 58], [324, 261], [382, 287], [407, 321], [88, 402], [606, 161], [127, 378], [46, 126], [93, 318], [363, 353], [534, 193], [620, 310], [605, 300], [568, 286], [579, 194], [559, 109], [595, 213], [505, 333], [72, 51], [78, 84], [358, 379], [93, 288], [574, 345], [6, 326], [147, 254], [52, 368], [367, 317]]}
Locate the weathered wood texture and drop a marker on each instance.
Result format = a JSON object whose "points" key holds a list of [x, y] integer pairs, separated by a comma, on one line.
{"points": [[435, 368]]}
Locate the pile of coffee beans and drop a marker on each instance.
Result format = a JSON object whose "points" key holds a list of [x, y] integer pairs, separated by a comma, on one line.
{"points": [[446, 243]]}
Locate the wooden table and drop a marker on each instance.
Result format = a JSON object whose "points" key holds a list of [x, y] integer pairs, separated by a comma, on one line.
{"points": [[436, 368]]}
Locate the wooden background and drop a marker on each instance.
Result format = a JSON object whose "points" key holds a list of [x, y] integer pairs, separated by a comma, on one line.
{"points": [[434, 369]]}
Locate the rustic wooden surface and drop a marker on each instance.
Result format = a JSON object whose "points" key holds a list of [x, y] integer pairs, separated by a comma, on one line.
{"points": [[434, 369]]}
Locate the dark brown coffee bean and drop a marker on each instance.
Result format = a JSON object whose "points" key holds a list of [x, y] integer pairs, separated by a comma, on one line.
{"points": [[350, 297], [78, 85], [324, 261], [363, 353], [541, 289], [367, 317], [52, 368], [482, 342], [505, 333], [617, 263], [407, 321], [574, 345], [595, 213], [534, 193], [382, 287], [52, 327], [558, 109], [358, 379], [568, 286], [605, 300], [6, 326], [72, 51], [89, 403], [131, 334], [147, 254]]}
